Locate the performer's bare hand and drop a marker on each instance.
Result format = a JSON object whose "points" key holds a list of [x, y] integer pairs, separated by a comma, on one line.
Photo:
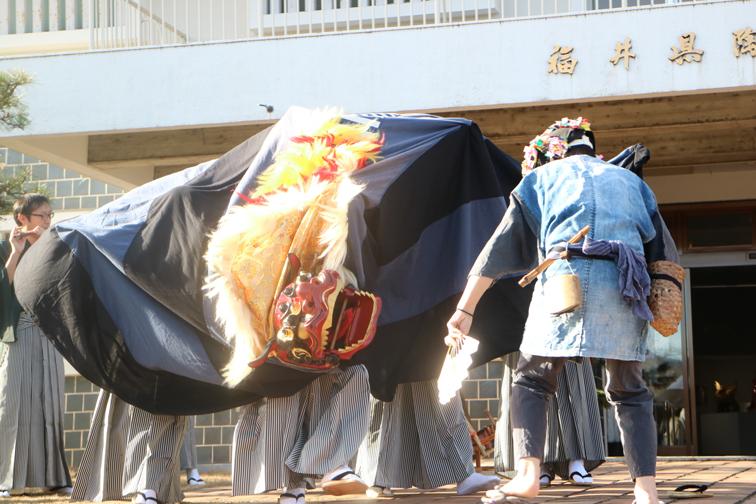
{"points": [[19, 236], [458, 326]]}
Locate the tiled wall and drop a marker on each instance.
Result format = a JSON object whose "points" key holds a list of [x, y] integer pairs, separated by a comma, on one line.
{"points": [[81, 398], [214, 435], [482, 391], [69, 190]]}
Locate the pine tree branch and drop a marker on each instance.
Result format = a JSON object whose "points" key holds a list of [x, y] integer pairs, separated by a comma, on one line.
{"points": [[13, 112]]}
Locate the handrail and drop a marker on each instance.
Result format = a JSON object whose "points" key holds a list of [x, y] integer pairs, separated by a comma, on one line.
{"points": [[120, 23]]}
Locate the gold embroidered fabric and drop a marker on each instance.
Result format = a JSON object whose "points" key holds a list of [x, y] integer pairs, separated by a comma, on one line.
{"points": [[259, 267]]}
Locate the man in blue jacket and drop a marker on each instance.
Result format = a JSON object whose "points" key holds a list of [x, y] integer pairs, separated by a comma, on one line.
{"points": [[566, 188]]}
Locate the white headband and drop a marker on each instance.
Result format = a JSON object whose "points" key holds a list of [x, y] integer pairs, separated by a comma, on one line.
{"points": [[582, 141]]}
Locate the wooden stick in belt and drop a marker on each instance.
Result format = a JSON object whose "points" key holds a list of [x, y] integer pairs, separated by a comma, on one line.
{"points": [[475, 438], [545, 264]]}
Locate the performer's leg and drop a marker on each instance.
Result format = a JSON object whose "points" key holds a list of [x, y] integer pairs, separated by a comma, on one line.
{"points": [[166, 436], [534, 383], [287, 442], [31, 413], [246, 439], [634, 404], [553, 450], [152, 456], [100, 474], [504, 456], [444, 436], [574, 445], [415, 441], [390, 454], [374, 451], [266, 433], [337, 420], [189, 456]]}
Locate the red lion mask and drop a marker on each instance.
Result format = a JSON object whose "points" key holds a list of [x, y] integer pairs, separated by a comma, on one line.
{"points": [[319, 322]]}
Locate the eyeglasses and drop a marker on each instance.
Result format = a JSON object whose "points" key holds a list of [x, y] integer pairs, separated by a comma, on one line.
{"points": [[44, 216]]}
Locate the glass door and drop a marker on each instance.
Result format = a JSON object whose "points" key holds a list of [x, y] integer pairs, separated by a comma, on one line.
{"points": [[667, 373], [724, 340]]}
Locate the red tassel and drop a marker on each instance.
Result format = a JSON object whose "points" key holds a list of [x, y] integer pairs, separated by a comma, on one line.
{"points": [[245, 198], [303, 139]]}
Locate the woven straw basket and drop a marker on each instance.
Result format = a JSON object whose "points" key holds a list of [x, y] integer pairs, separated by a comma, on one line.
{"points": [[665, 300]]}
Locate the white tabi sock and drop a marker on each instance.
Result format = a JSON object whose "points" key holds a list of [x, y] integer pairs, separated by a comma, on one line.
{"points": [[477, 483]]}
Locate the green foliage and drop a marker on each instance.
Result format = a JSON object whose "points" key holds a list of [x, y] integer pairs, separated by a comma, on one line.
{"points": [[13, 187], [13, 112], [14, 115]]}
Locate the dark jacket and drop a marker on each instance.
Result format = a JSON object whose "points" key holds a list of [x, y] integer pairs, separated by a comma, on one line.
{"points": [[10, 309]]}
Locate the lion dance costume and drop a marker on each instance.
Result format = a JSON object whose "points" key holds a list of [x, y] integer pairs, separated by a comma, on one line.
{"points": [[283, 291]]}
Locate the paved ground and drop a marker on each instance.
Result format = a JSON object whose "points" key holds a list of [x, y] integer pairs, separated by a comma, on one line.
{"points": [[731, 481]]}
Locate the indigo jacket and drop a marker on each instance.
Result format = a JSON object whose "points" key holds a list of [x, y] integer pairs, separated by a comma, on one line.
{"points": [[549, 206]]}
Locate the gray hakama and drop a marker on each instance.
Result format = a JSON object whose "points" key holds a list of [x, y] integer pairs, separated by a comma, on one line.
{"points": [[573, 427], [416, 441], [129, 450], [31, 411], [291, 441], [189, 448]]}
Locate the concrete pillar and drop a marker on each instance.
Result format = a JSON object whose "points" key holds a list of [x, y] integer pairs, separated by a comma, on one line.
{"points": [[84, 13], [20, 16], [4, 17], [55, 14], [37, 16], [70, 10]]}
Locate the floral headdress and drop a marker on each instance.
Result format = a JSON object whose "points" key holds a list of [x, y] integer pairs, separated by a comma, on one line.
{"points": [[548, 147]]}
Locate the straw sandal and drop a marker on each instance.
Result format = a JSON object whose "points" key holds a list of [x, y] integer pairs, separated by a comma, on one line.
{"points": [[341, 486], [61, 489], [379, 491], [547, 483], [580, 483], [145, 497], [291, 496], [689, 492]]}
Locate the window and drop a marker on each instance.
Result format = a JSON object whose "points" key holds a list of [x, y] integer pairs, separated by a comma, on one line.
{"points": [[707, 227], [719, 230]]}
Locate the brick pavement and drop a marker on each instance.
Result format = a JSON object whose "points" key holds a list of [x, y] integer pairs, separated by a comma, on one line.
{"points": [[731, 481]]}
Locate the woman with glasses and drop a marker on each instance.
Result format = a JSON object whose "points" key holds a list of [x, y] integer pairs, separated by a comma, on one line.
{"points": [[31, 372]]}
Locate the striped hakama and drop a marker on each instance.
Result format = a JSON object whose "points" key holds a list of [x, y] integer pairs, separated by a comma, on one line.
{"points": [[573, 428], [189, 448], [416, 441], [291, 441], [129, 450], [31, 411]]}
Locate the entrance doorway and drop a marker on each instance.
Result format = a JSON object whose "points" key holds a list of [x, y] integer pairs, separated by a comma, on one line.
{"points": [[667, 374], [723, 353], [716, 342]]}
